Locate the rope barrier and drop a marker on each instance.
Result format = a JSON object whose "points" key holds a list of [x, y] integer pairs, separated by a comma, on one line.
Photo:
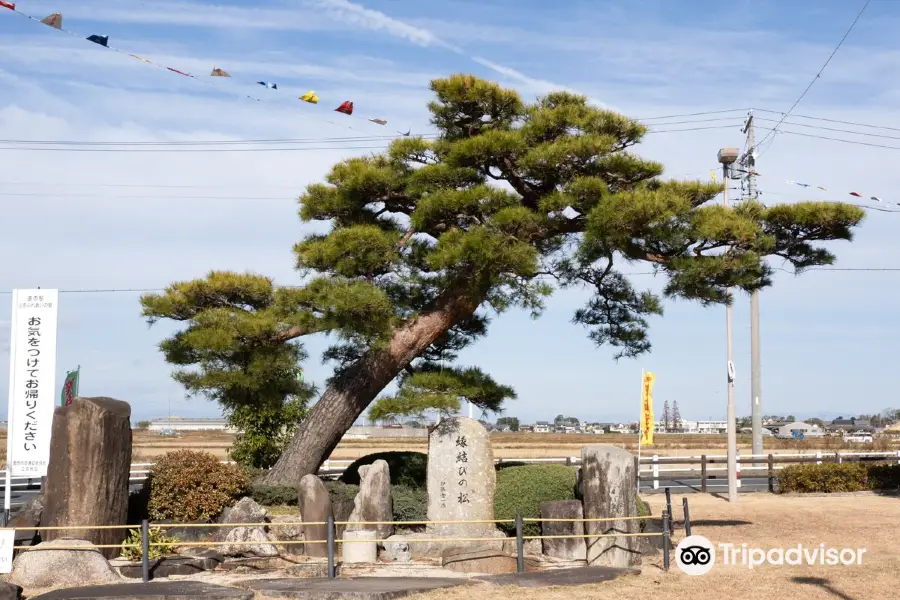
{"points": [[423, 522], [186, 525], [597, 535], [597, 520], [441, 540]]}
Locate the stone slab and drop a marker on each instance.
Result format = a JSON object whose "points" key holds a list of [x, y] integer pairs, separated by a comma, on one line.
{"points": [[362, 588], [175, 565], [561, 577], [155, 590]]}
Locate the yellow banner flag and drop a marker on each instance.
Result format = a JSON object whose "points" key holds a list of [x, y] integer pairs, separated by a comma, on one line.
{"points": [[647, 422]]}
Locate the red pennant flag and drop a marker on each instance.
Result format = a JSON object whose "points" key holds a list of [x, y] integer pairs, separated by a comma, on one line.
{"points": [[9, 5], [177, 71], [857, 194], [346, 107]]}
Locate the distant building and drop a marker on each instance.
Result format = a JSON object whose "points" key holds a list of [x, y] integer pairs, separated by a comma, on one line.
{"points": [[711, 427], [189, 424], [791, 430], [542, 427], [849, 425]]}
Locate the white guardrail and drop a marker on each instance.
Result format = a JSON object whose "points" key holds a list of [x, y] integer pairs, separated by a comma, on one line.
{"points": [[650, 466]]}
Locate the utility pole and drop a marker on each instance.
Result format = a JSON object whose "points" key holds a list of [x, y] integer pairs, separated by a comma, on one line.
{"points": [[748, 162], [727, 157]]}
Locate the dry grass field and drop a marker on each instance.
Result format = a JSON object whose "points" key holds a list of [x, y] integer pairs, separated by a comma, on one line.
{"points": [[148, 445], [508, 446], [763, 521]]}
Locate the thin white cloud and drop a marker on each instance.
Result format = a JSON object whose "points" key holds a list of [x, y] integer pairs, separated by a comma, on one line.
{"points": [[360, 17]]}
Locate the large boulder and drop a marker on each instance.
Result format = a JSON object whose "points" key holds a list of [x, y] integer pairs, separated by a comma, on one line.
{"points": [[28, 517], [89, 471], [373, 503], [248, 541], [288, 529], [315, 508], [610, 490], [396, 549], [461, 478], [46, 567], [245, 510], [564, 548]]}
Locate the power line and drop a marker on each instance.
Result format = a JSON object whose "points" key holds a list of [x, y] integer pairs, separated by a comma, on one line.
{"points": [[129, 149], [695, 114], [823, 128], [368, 138], [856, 123], [819, 74], [142, 196], [157, 290], [834, 139]]}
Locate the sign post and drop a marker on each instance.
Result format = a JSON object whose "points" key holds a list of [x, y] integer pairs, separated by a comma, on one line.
{"points": [[32, 385]]}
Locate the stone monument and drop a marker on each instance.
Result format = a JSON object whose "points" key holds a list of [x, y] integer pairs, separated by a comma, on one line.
{"points": [[374, 502], [610, 490], [315, 507], [90, 465], [461, 478]]}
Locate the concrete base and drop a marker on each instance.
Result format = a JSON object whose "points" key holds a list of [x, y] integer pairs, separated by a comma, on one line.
{"points": [[368, 588], [162, 590], [361, 547], [562, 577]]}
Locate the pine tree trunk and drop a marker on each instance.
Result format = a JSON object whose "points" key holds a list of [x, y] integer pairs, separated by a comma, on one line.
{"points": [[355, 389]]}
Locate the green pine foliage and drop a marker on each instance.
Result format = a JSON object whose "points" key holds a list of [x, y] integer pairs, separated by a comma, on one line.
{"points": [[512, 201]]}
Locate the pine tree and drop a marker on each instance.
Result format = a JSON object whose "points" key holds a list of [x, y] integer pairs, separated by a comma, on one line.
{"points": [[511, 201], [676, 418], [666, 424]]}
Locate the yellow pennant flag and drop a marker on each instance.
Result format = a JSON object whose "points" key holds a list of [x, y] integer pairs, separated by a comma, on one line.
{"points": [[648, 424], [310, 97]]}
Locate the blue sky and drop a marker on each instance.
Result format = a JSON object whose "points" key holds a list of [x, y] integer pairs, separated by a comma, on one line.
{"points": [[828, 338]]}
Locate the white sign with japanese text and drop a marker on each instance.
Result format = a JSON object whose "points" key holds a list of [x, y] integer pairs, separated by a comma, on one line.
{"points": [[7, 541], [32, 381]]}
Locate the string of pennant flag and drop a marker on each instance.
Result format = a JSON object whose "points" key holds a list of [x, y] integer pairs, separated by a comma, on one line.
{"points": [[55, 21], [714, 176]]}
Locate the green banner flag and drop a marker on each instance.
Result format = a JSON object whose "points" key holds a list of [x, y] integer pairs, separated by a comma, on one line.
{"points": [[70, 387]]}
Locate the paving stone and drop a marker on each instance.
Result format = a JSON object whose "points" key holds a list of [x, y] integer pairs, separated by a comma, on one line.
{"points": [[154, 590], [362, 588]]}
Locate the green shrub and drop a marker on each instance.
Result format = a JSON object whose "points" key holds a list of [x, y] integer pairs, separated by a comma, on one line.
{"points": [[188, 486], [407, 468], [643, 510], [842, 477], [521, 490], [274, 495], [410, 504], [884, 477], [132, 550], [827, 477]]}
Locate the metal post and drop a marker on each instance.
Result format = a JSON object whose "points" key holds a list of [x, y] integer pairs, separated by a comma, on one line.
{"points": [[330, 528], [145, 550], [665, 532], [687, 516], [772, 473], [655, 472], [730, 416], [748, 161], [520, 545], [669, 505], [755, 377], [10, 420], [703, 473]]}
